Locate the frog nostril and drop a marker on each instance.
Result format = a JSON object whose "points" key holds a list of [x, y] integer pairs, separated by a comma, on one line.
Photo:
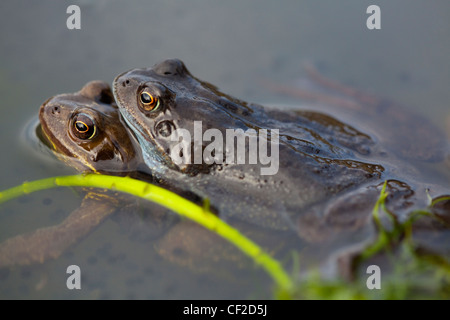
{"points": [[125, 83], [55, 110]]}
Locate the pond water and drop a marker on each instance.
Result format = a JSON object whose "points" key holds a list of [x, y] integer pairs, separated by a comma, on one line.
{"points": [[233, 44]]}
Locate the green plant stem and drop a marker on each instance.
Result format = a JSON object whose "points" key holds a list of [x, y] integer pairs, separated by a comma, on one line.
{"points": [[169, 200], [382, 240]]}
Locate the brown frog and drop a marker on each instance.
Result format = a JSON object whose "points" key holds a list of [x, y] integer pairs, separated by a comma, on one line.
{"points": [[84, 130], [319, 156], [329, 172]]}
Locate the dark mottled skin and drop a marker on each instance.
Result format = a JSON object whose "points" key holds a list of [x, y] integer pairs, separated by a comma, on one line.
{"points": [[320, 156], [330, 172]]}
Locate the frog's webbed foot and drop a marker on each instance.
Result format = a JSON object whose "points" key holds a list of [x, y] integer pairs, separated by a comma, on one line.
{"points": [[197, 248], [50, 242], [339, 95], [420, 139], [331, 93], [338, 219], [343, 228], [202, 251], [348, 91]]}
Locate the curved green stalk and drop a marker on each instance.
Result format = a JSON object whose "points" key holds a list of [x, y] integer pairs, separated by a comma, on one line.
{"points": [[169, 200], [383, 236]]}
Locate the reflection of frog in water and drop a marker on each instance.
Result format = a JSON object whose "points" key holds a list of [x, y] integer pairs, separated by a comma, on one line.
{"points": [[329, 173]]}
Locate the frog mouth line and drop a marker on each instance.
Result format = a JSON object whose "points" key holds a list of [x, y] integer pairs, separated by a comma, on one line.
{"points": [[47, 138]]}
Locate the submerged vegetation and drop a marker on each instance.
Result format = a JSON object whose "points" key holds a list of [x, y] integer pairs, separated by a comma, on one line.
{"points": [[168, 199], [414, 272]]}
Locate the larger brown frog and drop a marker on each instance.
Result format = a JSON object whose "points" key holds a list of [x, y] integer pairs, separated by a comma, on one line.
{"points": [[329, 173]]}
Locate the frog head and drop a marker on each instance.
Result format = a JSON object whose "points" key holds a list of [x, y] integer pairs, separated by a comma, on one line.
{"points": [[85, 130]]}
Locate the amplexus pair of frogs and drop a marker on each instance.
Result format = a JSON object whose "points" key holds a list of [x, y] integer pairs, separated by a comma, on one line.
{"points": [[332, 163]]}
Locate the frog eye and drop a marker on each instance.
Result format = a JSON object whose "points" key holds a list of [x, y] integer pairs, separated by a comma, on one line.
{"points": [[149, 102], [84, 127]]}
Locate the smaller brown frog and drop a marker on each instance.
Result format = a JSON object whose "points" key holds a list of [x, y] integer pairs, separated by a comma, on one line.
{"points": [[85, 131]]}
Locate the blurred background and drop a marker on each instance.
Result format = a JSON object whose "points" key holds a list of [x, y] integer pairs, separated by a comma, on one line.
{"points": [[233, 44]]}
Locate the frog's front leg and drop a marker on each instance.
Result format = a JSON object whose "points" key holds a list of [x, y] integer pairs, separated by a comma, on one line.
{"points": [[50, 242]]}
